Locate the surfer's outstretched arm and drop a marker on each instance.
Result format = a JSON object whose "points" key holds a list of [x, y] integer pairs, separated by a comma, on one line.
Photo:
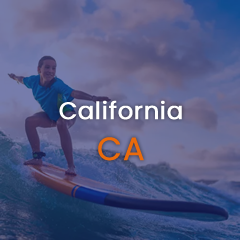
{"points": [[19, 79], [85, 96]]}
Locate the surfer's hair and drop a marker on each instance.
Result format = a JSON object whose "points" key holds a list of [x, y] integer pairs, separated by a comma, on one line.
{"points": [[41, 61]]}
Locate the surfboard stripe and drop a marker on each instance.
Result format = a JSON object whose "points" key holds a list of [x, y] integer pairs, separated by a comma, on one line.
{"points": [[90, 195], [72, 192]]}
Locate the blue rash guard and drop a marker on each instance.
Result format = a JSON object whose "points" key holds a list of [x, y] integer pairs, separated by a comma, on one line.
{"points": [[50, 98]]}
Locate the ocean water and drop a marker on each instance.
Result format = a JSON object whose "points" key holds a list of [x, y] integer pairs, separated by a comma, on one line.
{"points": [[30, 210]]}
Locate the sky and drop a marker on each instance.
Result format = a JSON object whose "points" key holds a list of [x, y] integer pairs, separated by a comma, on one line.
{"points": [[137, 53]]}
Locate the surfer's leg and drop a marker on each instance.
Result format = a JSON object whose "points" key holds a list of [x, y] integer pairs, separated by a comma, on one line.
{"points": [[39, 119], [66, 141]]}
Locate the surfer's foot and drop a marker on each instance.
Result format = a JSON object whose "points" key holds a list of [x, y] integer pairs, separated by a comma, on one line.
{"points": [[71, 171], [33, 162]]}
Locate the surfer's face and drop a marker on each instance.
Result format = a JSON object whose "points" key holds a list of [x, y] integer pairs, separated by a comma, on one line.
{"points": [[48, 70]]}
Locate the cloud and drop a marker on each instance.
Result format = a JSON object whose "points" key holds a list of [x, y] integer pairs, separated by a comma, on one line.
{"points": [[50, 15], [128, 14], [195, 110], [221, 154], [227, 73], [221, 162], [141, 41], [232, 107], [230, 102], [200, 111]]}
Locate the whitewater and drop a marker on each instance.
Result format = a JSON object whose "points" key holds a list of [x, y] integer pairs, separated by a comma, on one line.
{"points": [[30, 210]]}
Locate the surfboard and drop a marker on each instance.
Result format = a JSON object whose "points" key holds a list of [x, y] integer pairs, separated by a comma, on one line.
{"points": [[100, 193]]}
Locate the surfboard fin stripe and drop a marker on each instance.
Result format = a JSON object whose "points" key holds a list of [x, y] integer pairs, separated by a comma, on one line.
{"points": [[73, 190]]}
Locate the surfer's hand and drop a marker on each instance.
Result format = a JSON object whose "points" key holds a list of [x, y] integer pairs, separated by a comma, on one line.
{"points": [[12, 75], [100, 99], [16, 78]]}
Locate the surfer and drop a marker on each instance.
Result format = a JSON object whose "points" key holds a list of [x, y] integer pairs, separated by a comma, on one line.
{"points": [[51, 92]]}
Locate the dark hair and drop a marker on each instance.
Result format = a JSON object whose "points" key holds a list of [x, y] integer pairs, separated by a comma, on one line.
{"points": [[41, 61]]}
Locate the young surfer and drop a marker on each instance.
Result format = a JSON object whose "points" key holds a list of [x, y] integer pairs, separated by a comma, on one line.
{"points": [[51, 92]]}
